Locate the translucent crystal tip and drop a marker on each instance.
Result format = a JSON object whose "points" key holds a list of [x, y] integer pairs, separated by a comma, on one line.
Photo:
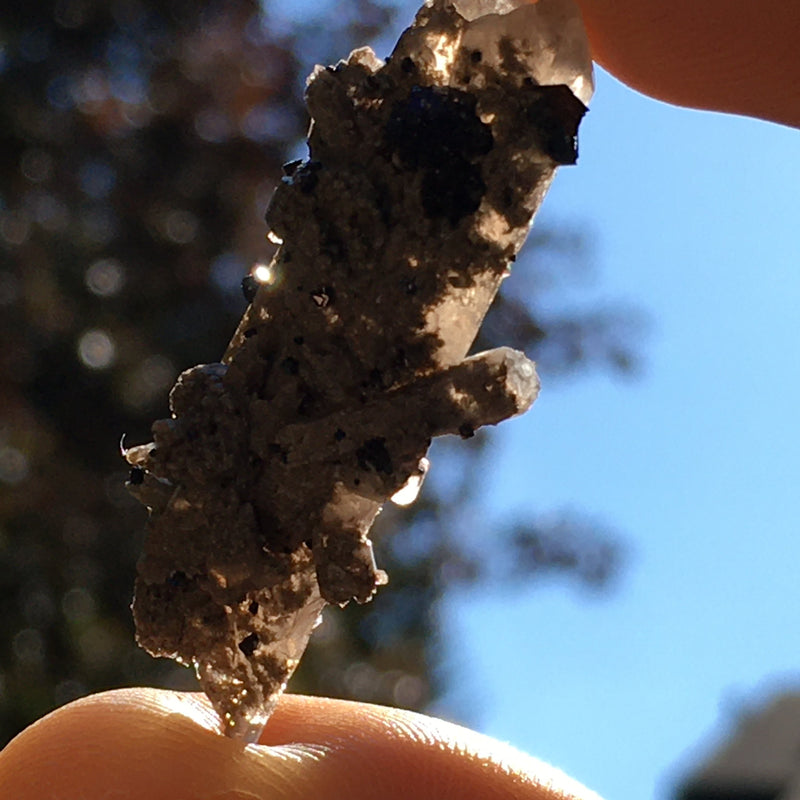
{"points": [[549, 32]]}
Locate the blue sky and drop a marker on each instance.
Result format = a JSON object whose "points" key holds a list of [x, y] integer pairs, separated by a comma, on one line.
{"points": [[695, 463]]}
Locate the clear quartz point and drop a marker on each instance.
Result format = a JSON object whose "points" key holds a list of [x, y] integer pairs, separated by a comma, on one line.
{"points": [[549, 32]]}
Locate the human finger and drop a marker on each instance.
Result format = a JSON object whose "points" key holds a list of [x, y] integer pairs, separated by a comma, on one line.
{"points": [[722, 55], [136, 743]]}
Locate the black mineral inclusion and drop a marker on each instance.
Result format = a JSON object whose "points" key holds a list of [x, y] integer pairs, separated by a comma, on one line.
{"points": [[555, 113], [249, 288], [374, 455], [437, 130]]}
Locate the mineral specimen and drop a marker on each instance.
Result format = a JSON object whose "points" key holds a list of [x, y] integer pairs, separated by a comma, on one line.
{"points": [[422, 179]]}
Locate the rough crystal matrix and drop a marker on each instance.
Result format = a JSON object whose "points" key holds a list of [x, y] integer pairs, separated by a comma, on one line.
{"points": [[423, 176]]}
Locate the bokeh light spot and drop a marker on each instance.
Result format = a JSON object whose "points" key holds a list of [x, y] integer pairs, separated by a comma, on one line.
{"points": [[361, 679], [50, 212], [264, 122], [105, 277], [408, 691], [72, 13], [98, 646], [212, 125], [36, 165], [14, 466], [15, 226], [129, 87], [91, 90], [97, 179], [59, 93], [96, 349], [181, 226], [28, 647], [149, 382], [78, 605]]}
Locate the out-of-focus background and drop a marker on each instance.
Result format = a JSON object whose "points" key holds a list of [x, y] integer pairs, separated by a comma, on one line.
{"points": [[608, 582]]}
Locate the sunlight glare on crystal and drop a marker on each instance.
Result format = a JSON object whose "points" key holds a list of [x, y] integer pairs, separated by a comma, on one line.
{"points": [[409, 491], [263, 273], [443, 49]]}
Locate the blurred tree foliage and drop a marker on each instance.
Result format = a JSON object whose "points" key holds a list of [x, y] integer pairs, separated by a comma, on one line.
{"points": [[139, 144]]}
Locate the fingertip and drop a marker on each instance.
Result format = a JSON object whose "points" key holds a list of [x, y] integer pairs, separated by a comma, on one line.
{"points": [[397, 754], [717, 55], [137, 743]]}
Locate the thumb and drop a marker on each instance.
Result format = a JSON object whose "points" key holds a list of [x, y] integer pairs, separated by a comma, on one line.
{"points": [[723, 55], [136, 743]]}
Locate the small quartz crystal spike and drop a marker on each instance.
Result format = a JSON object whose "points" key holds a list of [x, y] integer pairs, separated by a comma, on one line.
{"points": [[423, 178]]}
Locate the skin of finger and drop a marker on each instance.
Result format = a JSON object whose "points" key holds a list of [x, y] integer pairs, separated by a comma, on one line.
{"points": [[722, 55], [136, 743]]}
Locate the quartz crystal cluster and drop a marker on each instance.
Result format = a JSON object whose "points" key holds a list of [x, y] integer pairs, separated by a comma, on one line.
{"points": [[423, 176]]}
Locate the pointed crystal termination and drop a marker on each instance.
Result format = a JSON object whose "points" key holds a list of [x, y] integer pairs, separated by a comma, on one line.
{"points": [[549, 34], [423, 178]]}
